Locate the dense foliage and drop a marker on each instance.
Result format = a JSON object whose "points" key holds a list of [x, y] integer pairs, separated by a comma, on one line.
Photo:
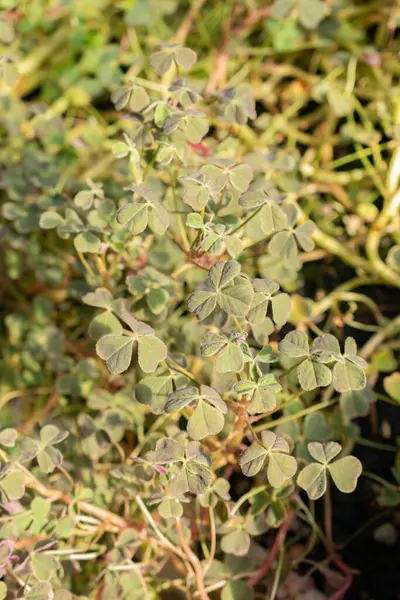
{"points": [[182, 237]]}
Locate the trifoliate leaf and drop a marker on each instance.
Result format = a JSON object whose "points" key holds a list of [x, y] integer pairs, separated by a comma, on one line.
{"points": [[266, 294], [225, 287], [344, 471], [147, 211], [162, 60]]}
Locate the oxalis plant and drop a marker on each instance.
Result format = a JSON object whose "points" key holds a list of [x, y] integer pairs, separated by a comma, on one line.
{"points": [[206, 433]]}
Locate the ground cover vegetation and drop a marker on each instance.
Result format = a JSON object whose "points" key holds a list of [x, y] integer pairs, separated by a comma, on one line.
{"points": [[199, 294]]}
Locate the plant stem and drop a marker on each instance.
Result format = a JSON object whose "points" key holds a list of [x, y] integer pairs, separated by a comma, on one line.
{"points": [[177, 367], [194, 561], [247, 496], [213, 536], [279, 539], [298, 415], [244, 223]]}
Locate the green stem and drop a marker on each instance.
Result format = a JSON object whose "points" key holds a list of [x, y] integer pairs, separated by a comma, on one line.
{"points": [[246, 497], [177, 367], [255, 213], [298, 415]]}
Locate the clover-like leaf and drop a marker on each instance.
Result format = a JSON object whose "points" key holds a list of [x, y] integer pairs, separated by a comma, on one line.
{"points": [[12, 483], [311, 371], [162, 60], [44, 566], [87, 242], [225, 172], [208, 416], [285, 243], [261, 393], [266, 295], [344, 471], [183, 93], [267, 198], [281, 466], [238, 106], [194, 473], [228, 351], [226, 288], [133, 94], [147, 211], [237, 590], [116, 350], [236, 542], [153, 391], [218, 490]]}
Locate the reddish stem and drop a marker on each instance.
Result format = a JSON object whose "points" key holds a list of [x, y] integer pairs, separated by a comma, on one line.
{"points": [[279, 539]]}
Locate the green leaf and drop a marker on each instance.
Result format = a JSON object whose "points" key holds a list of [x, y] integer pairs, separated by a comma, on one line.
{"points": [[392, 386], [41, 591], [313, 480], [117, 351], [227, 288], [261, 393], [345, 473], [157, 299], [237, 590], [229, 359], [281, 467], [295, 344], [154, 392], [13, 485], [206, 420], [266, 295], [100, 298], [324, 453], [135, 216], [3, 590], [312, 12], [104, 324], [50, 220], [8, 437], [170, 508], [236, 542], [162, 60], [87, 242], [313, 374], [44, 566], [348, 376], [357, 404], [316, 428], [252, 460], [151, 351]]}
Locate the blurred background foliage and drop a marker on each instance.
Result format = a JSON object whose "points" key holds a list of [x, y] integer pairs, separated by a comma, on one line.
{"points": [[325, 77]]}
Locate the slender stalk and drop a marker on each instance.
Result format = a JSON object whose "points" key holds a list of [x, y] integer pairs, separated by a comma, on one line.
{"points": [[198, 571], [298, 415], [177, 367], [213, 537], [279, 539], [247, 496], [244, 223]]}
